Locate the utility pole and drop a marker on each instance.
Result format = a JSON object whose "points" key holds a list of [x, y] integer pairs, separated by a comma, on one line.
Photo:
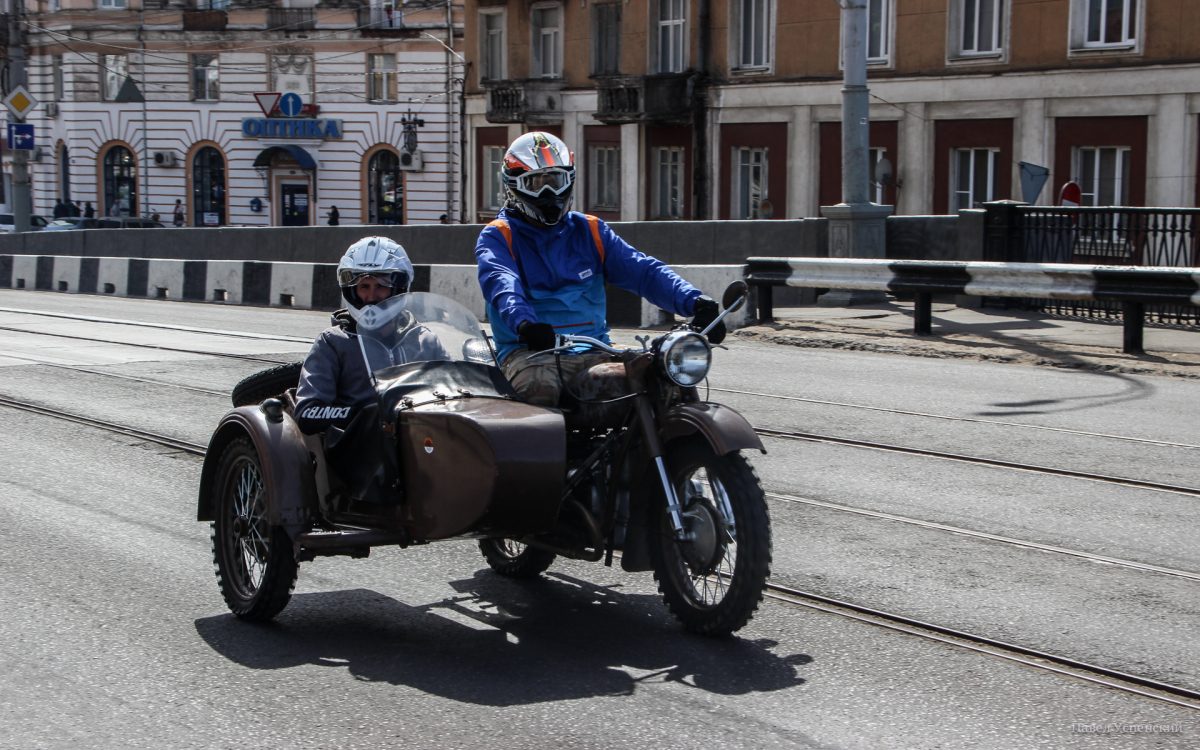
{"points": [[857, 227], [20, 200]]}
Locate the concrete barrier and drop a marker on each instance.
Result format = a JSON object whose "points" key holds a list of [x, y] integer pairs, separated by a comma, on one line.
{"points": [[299, 285]]}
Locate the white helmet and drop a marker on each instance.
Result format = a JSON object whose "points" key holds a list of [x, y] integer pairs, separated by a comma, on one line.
{"points": [[373, 256], [539, 177]]}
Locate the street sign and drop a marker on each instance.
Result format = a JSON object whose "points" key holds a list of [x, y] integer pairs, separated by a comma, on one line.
{"points": [[20, 136], [290, 104], [20, 102], [267, 102]]}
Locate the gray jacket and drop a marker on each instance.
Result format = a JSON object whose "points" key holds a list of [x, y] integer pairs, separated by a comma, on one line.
{"points": [[334, 382]]}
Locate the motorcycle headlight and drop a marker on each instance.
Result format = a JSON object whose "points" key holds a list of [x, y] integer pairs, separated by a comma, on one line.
{"points": [[686, 357]]}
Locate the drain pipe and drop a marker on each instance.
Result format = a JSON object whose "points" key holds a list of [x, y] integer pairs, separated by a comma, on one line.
{"points": [[702, 177]]}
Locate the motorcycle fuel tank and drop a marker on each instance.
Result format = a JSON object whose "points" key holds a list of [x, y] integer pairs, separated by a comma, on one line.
{"points": [[481, 466]]}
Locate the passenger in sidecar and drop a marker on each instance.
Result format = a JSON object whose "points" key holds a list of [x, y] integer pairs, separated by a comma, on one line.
{"points": [[435, 445]]}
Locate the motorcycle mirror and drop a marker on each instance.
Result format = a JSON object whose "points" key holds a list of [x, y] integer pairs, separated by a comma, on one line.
{"points": [[735, 296]]}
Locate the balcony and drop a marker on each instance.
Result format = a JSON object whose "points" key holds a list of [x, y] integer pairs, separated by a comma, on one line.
{"points": [[290, 20], [534, 101], [668, 98], [205, 20], [618, 99], [378, 21]]}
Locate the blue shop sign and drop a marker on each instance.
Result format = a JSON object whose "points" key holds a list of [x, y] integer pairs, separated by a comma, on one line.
{"points": [[272, 127]]}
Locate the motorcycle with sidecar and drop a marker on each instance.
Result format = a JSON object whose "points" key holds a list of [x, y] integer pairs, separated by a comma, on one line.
{"points": [[636, 466]]}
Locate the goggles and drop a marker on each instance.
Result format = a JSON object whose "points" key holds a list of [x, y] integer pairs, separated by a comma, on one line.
{"points": [[557, 179], [390, 279]]}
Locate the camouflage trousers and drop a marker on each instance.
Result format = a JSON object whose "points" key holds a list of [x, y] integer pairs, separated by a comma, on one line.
{"points": [[543, 380]]}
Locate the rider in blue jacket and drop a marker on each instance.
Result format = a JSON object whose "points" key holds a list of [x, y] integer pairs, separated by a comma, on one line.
{"points": [[543, 267]]}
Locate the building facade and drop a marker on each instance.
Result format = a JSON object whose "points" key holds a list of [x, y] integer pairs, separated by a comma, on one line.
{"points": [[731, 109], [254, 113]]}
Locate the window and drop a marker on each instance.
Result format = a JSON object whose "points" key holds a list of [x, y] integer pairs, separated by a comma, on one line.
{"points": [[493, 186], [206, 81], [604, 178], [669, 36], [208, 188], [547, 42], [211, 4], [111, 4], [381, 78], [120, 183], [749, 182], [56, 78], [1103, 175], [114, 69], [973, 178], [1104, 23], [385, 189], [754, 26], [668, 183], [978, 24], [606, 39], [879, 30], [491, 41]]}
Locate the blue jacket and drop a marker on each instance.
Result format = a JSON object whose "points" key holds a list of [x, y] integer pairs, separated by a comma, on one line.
{"points": [[556, 275]]}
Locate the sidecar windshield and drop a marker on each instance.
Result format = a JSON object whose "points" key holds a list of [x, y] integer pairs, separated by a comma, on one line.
{"points": [[420, 327]]}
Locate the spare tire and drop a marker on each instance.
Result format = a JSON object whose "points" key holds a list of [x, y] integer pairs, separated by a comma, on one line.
{"points": [[266, 384]]}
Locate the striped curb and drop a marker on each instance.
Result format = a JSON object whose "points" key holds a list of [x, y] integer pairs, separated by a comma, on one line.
{"points": [[309, 286]]}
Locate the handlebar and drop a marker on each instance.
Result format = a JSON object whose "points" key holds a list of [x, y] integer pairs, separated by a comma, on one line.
{"points": [[565, 341]]}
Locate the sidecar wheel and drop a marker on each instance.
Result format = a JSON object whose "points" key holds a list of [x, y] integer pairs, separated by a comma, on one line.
{"points": [[712, 583], [256, 568], [265, 384], [513, 559]]}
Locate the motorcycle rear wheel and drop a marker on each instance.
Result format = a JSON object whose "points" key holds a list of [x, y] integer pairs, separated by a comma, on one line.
{"points": [[712, 584], [256, 567], [513, 559]]}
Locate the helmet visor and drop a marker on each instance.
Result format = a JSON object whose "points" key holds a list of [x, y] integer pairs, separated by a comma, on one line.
{"points": [[350, 277], [557, 179]]}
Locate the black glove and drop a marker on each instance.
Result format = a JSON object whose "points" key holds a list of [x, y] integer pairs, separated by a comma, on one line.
{"points": [[705, 312], [537, 336]]}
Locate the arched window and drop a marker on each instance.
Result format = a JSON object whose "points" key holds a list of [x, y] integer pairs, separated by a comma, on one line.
{"points": [[120, 183], [385, 189], [64, 173], [208, 188]]}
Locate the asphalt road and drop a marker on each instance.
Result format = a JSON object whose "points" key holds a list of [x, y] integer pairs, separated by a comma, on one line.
{"points": [[115, 635]]}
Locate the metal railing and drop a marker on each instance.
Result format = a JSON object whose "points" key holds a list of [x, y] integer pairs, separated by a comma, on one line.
{"points": [[1113, 235]]}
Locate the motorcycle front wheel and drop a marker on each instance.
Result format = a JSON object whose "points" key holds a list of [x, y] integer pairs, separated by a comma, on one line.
{"points": [[513, 559], [713, 581], [256, 568]]}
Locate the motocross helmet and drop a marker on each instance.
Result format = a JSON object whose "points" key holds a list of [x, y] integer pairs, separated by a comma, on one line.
{"points": [[539, 177], [380, 257]]}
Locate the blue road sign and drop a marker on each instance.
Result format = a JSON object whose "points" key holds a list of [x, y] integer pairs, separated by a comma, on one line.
{"points": [[20, 136], [290, 105]]}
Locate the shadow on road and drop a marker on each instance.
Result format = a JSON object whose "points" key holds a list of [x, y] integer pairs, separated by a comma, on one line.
{"points": [[501, 642]]}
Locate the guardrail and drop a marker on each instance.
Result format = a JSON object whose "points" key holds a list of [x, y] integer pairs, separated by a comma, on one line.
{"points": [[1132, 286]]}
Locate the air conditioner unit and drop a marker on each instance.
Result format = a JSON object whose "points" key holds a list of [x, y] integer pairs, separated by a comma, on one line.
{"points": [[411, 161], [164, 158], [51, 109]]}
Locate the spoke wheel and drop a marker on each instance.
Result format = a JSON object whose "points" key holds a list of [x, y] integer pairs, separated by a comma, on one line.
{"points": [[256, 568], [513, 559], [713, 581]]}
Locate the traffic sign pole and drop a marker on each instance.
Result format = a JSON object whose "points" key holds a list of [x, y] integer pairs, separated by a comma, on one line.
{"points": [[21, 195]]}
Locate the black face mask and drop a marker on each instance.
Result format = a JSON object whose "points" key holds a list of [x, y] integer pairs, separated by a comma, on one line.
{"points": [[547, 209]]}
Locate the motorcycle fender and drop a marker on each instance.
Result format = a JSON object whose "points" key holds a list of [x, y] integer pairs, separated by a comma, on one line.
{"points": [[725, 429], [287, 466]]}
